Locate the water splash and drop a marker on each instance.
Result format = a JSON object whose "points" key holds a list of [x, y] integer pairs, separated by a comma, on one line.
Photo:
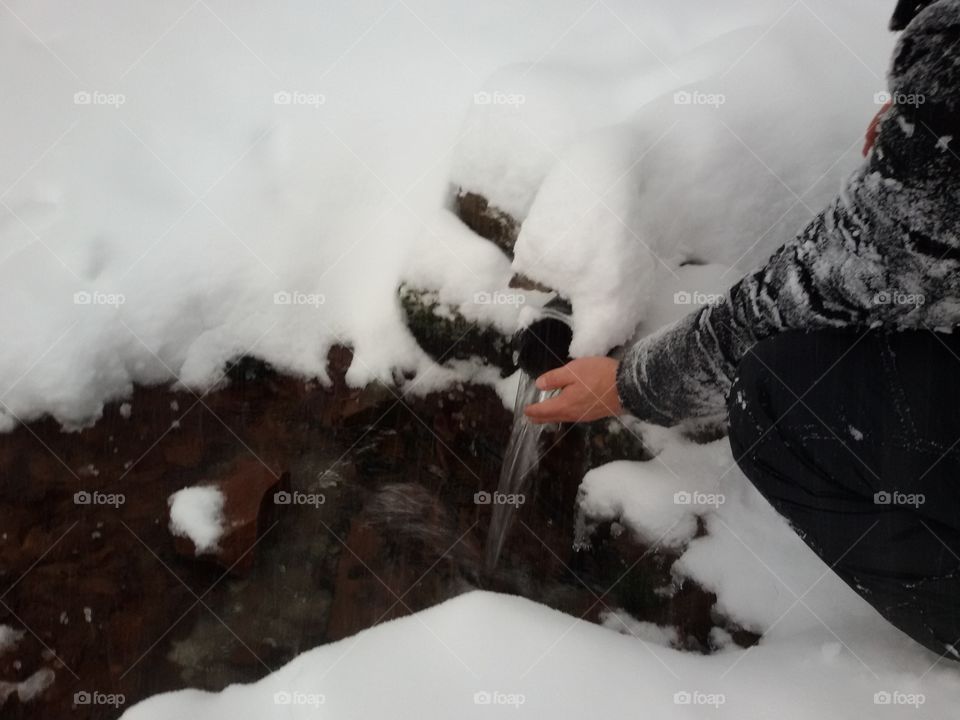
{"points": [[519, 462]]}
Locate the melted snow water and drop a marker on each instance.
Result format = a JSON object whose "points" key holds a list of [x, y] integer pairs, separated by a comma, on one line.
{"points": [[519, 463]]}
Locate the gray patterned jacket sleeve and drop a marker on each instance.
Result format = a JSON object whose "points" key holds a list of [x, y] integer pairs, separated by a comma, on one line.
{"points": [[885, 253]]}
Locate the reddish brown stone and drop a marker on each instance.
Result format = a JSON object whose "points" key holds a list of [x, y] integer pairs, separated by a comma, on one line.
{"points": [[247, 487]]}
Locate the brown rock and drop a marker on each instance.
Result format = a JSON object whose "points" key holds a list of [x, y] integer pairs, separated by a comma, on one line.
{"points": [[487, 221], [247, 486]]}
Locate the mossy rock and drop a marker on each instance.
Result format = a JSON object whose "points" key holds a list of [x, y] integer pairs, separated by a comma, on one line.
{"points": [[445, 334], [611, 440]]}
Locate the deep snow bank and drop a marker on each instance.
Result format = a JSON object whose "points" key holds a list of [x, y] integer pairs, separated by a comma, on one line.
{"points": [[181, 185], [483, 654]]}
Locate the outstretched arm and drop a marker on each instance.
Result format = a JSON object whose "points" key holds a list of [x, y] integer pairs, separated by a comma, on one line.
{"points": [[885, 253]]}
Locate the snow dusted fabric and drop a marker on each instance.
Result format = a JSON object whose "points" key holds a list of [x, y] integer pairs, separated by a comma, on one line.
{"points": [[906, 11], [885, 253]]}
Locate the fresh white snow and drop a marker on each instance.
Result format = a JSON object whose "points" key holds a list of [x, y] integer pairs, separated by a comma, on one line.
{"points": [[825, 653], [182, 183], [484, 655], [196, 513]]}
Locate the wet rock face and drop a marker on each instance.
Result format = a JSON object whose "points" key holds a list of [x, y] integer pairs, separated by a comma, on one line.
{"points": [[444, 334], [382, 520], [87, 562], [252, 494]]}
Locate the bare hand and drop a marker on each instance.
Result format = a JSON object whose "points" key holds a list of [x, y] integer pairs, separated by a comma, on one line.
{"points": [[588, 392]]}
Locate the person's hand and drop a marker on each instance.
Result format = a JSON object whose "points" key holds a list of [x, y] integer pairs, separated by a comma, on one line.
{"points": [[874, 128], [588, 392]]}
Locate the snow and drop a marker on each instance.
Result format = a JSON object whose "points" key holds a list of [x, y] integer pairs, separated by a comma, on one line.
{"points": [[448, 661], [28, 689], [675, 486], [160, 191], [824, 652], [467, 272], [750, 557], [9, 637], [182, 184], [622, 622], [196, 513], [698, 170]]}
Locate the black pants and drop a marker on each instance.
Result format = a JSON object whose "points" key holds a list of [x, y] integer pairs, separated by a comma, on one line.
{"points": [[855, 439]]}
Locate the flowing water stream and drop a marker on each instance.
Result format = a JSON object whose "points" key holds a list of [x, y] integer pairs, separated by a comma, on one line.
{"points": [[519, 463], [541, 347]]}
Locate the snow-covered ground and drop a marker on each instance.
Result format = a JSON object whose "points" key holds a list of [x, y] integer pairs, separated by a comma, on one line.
{"points": [[484, 655], [825, 653], [184, 182]]}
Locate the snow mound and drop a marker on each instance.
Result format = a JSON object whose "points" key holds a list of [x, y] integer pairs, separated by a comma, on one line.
{"points": [[482, 653], [724, 154], [196, 513]]}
